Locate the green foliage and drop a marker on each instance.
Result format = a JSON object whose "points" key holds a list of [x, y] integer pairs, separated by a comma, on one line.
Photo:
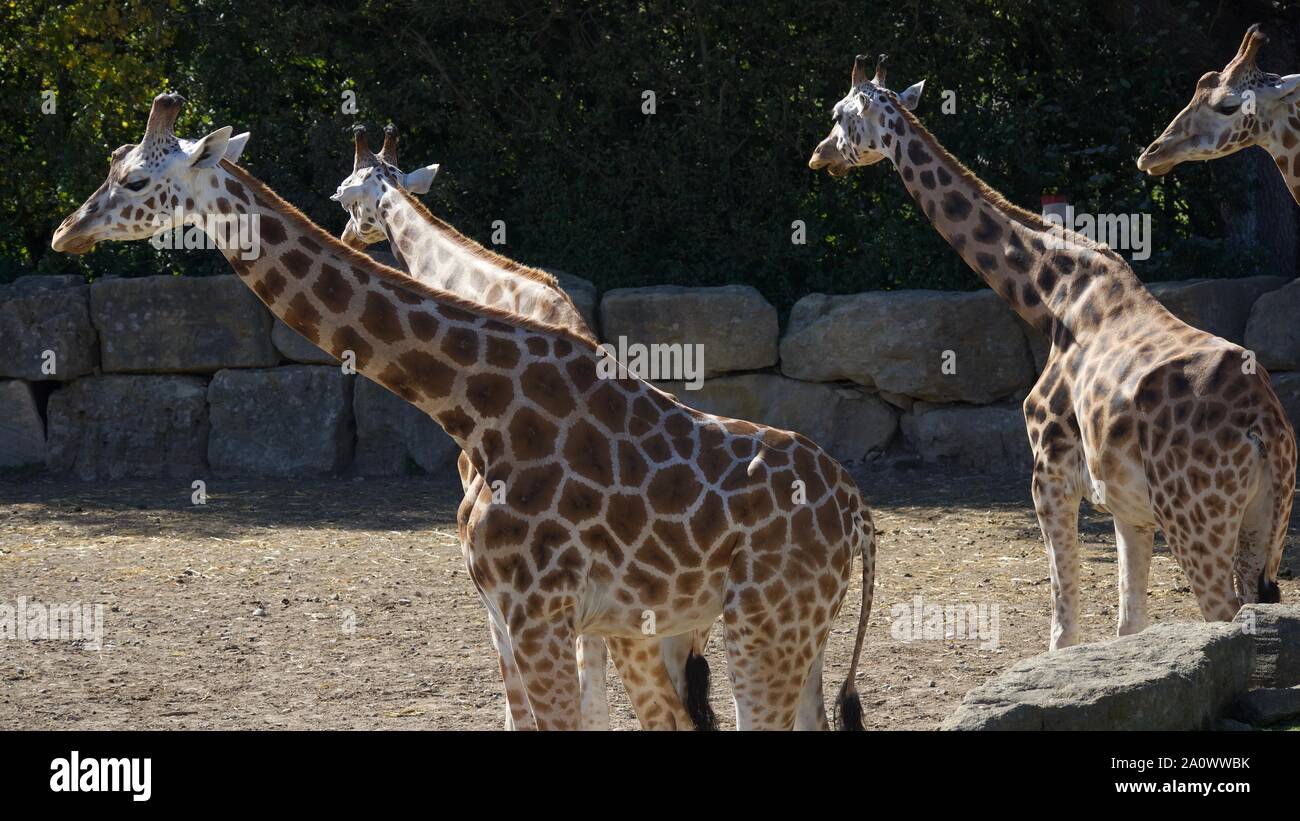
{"points": [[534, 110]]}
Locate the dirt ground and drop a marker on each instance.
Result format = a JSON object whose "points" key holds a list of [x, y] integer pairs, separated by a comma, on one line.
{"points": [[341, 604]]}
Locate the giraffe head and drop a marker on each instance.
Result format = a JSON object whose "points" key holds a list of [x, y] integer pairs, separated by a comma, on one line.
{"points": [[148, 182], [360, 193], [861, 119], [1230, 110]]}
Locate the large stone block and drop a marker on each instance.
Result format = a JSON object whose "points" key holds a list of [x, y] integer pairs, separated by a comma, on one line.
{"points": [[1275, 629], [118, 427], [47, 313], [297, 348], [977, 437], [931, 345], [1287, 386], [394, 437], [1272, 331], [22, 432], [849, 423], [1174, 676], [1218, 306], [180, 324], [736, 326], [294, 420]]}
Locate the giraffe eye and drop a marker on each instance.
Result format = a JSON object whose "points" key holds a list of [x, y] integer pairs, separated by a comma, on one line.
{"points": [[1228, 108], [136, 185]]}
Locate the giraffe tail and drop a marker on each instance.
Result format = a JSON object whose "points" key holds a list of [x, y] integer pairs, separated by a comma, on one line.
{"points": [[848, 704]]}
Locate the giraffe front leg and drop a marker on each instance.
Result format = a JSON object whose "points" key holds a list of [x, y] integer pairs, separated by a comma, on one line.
{"points": [[1134, 545], [545, 650], [1057, 505], [519, 714], [592, 664]]}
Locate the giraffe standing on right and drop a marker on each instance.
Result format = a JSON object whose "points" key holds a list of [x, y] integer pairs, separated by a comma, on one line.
{"points": [[1233, 109], [1158, 423]]}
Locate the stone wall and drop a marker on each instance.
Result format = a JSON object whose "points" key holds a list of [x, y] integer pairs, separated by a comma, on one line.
{"points": [[185, 377]]}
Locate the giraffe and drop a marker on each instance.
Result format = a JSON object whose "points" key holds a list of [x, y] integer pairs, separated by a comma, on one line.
{"points": [[600, 505], [380, 202], [1233, 109], [1161, 425]]}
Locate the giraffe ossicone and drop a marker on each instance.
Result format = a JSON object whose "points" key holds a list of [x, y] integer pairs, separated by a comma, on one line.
{"points": [[1170, 421], [619, 498]]}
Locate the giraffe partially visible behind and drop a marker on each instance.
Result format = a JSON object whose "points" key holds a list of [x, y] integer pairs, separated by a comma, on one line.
{"points": [[1156, 422], [668, 688], [1233, 109]]}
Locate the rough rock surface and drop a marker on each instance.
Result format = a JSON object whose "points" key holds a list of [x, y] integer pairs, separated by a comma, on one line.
{"points": [[180, 324], [736, 326], [1173, 676], [971, 436], [47, 313], [287, 421], [394, 437], [1275, 629], [930, 345], [137, 427], [1219, 306], [22, 432], [1272, 331]]}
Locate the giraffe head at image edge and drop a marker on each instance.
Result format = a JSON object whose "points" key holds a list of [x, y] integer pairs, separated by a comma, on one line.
{"points": [[149, 183], [1231, 109]]}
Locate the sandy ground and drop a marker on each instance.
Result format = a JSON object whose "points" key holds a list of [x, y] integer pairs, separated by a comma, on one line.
{"points": [[345, 604]]}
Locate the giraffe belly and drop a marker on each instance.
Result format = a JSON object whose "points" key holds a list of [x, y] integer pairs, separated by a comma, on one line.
{"points": [[1118, 486], [609, 610]]}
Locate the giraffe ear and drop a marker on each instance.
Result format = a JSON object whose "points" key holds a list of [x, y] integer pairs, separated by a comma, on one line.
{"points": [[419, 180], [235, 146], [911, 96], [347, 193], [1282, 87], [207, 152]]}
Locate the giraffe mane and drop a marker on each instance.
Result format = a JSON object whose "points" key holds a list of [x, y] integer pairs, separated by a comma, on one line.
{"points": [[391, 276], [477, 249], [1025, 217]]}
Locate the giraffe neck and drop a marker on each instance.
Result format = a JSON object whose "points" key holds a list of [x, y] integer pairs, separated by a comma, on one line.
{"points": [[442, 257], [1048, 276], [450, 357], [1281, 141]]}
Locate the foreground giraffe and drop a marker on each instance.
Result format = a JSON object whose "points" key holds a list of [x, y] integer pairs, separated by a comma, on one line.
{"points": [[1233, 109], [378, 198], [1160, 424], [618, 504]]}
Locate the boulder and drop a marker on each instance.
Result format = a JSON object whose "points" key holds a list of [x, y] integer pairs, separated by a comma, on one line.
{"points": [[848, 422], [1218, 306], [394, 437], [1287, 386], [137, 427], [1267, 705], [930, 345], [1272, 331], [22, 432], [736, 326], [180, 324], [582, 292], [1275, 629], [294, 420], [47, 313], [971, 436], [1172, 676]]}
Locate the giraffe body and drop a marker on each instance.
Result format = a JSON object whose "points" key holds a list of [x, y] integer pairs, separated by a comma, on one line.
{"points": [[620, 507], [380, 204], [1158, 423]]}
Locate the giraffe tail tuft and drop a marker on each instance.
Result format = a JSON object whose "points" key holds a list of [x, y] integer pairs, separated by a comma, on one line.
{"points": [[848, 704], [697, 693]]}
